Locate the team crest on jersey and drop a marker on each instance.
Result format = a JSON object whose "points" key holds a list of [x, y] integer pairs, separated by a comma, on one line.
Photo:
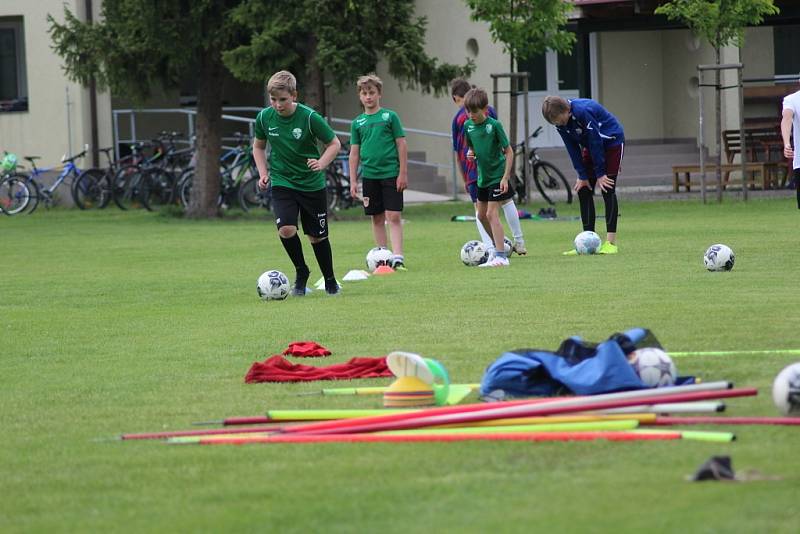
{"points": [[385, 115], [489, 128], [297, 133]]}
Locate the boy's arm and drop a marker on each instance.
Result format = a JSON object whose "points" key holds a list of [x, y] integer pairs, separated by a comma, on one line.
{"points": [[786, 132], [353, 161], [509, 152], [574, 151], [331, 150], [402, 155], [261, 161]]}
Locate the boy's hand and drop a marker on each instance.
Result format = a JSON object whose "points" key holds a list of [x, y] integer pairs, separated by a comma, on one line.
{"points": [[504, 185], [580, 184], [354, 189], [788, 152], [470, 154], [402, 182], [314, 165], [605, 183], [263, 182]]}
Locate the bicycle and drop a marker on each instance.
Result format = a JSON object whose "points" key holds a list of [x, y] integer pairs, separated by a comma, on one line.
{"points": [[549, 180], [144, 183], [29, 192], [14, 194], [337, 182]]}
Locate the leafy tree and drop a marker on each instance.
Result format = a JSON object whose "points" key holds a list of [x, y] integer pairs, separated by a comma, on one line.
{"points": [[140, 45], [337, 40], [721, 23], [526, 27]]}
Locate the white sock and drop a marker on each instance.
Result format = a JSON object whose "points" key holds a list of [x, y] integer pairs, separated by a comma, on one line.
{"points": [[482, 231], [512, 217]]}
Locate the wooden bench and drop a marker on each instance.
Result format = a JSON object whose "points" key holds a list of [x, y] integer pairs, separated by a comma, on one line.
{"points": [[763, 143], [681, 174]]}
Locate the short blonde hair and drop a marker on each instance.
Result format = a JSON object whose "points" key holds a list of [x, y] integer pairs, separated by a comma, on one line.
{"points": [[282, 81], [553, 107], [476, 99], [369, 79]]}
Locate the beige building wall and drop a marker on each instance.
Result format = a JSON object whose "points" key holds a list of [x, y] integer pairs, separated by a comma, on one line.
{"points": [[43, 129]]}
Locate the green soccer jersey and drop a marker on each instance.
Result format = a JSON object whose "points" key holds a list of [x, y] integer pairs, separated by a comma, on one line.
{"points": [[488, 141], [376, 134], [293, 142]]}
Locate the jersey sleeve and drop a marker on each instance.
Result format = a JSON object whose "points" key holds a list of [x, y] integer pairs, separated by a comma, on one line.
{"points": [[397, 127], [492, 113], [259, 131], [355, 137], [574, 151], [596, 146], [502, 138], [320, 128]]}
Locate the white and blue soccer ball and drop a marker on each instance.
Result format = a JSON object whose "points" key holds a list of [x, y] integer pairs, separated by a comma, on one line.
{"points": [[272, 285], [719, 257], [654, 367], [508, 246], [377, 257], [786, 390], [587, 242], [474, 253]]}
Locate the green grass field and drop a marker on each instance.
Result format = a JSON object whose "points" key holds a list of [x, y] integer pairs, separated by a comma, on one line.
{"points": [[130, 322]]}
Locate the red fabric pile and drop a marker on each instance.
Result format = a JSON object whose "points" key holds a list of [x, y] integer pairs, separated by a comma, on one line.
{"points": [[279, 369], [306, 349]]}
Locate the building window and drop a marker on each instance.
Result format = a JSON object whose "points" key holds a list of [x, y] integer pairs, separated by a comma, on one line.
{"points": [[13, 81], [787, 43]]}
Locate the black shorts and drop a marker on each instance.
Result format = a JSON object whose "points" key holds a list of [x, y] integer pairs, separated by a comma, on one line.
{"points": [[311, 205], [381, 195], [493, 194]]}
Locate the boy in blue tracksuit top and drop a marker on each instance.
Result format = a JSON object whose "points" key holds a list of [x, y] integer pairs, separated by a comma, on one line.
{"points": [[594, 139]]}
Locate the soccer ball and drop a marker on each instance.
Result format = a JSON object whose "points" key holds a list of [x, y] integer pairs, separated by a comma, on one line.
{"points": [[654, 367], [378, 256], [474, 253], [718, 258], [786, 390], [508, 246], [587, 242], [272, 285]]}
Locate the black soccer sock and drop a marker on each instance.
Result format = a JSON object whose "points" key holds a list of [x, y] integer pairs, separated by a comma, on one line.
{"points": [[612, 208], [294, 248], [322, 250], [586, 200]]}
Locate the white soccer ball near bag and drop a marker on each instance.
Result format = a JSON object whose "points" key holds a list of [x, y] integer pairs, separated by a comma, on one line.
{"points": [[654, 367], [273, 285], [378, 256], [786, 390], [474, 253], [508, 246], [719, 257], [587, 242]]}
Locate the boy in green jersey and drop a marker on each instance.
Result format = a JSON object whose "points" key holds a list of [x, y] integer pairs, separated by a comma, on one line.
{"points": [[296, 175], [378, 142], [489, 147]]}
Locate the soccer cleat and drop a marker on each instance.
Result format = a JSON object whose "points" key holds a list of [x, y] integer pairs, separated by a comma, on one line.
{"points": [[519, 247], [608, 248], [496, 261], [400, 266], [301, 278], [397, 263], [572, 252]]}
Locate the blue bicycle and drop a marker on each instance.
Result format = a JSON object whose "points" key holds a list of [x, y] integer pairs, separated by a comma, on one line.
{"points": [[21, 192]]}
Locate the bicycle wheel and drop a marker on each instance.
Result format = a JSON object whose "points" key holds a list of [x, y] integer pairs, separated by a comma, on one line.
{"points": [[158, 188], [128, 189], [251, 197], [15, 194], [550, 182], [91, 189]]}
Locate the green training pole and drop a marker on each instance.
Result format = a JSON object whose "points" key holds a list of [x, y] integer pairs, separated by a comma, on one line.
{"points": [[697, 435], [328, 415], [734, 352]]}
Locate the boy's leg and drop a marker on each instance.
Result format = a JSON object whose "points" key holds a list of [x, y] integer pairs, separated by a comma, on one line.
{"points": [[493, 217], [313, 214], [472, 189], [512, 217], [392, 201], [379, 229], [586, 201], [613, 165], [481, 208], [797, 185], [286, 207]]}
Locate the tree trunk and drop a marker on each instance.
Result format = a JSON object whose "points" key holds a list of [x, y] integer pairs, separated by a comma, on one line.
{"points": [[206, 186], [314, 91], [718, 111]]}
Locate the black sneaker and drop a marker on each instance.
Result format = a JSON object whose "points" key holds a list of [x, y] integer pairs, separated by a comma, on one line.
{"points": [[300, 280], [332, 287]]}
